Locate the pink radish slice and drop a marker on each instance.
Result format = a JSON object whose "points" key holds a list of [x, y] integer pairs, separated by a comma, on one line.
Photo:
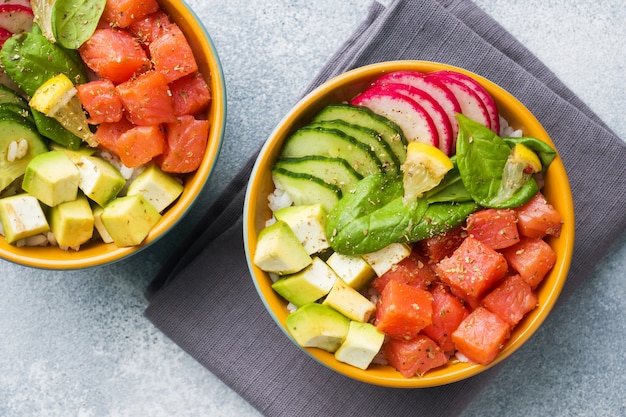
{"points": [[434, 88], [25, 3], [4, 35], [16, 18], [414, 121], [485, 97], [471, 105], [432, 107]]}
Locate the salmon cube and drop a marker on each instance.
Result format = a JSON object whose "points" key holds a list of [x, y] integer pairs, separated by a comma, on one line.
{"points": [[532, 258], [448, 313], [438, 247], [140, 144], [538, 218], [481, 336], [512, 299], [414, 357], [147, 99], [101, 100], [171, 54], [122, 13], [402, 310], [472, 270], [497, 228]]}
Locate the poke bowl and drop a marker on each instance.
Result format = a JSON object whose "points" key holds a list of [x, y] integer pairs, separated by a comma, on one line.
{"points": [[168, 150], [332, 268]]}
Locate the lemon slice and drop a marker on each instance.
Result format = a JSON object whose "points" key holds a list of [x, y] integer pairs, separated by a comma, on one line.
{"points": [[57, 98], [520, 165], [522, 154], [424, 168]]}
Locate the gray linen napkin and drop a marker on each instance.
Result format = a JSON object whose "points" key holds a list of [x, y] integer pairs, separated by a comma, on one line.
{"points": [[210, 306]]}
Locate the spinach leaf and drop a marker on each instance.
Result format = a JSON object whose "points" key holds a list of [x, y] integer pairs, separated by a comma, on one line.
{"points": [[73, 22], [451, 189], [30, 59], [439, 218], [544, 151], [375, 215], [481, 158]]}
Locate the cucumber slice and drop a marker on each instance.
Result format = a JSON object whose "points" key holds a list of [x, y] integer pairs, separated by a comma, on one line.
{"points": [[15, 156], [306, 189], [335, 171], [362, 116], [334, 143], [369, 137]]}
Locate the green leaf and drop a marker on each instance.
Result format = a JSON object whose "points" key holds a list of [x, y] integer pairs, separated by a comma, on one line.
{"points": [[481, 157], [73, 22], [30, 59], [544, 151]]}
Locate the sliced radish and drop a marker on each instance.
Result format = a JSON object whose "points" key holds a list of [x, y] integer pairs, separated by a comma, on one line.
{"points": [[4, 35], [486, 98], [434, 88], [432, 107], [25, 3], [471, 105], [16, 18], [415, 122]]}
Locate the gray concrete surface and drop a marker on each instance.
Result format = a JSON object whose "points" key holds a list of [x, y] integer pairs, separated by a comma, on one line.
{"points": [[76, 343]]}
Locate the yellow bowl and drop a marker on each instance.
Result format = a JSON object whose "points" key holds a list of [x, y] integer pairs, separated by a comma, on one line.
{"points": [[93, 254], [342, 88]]}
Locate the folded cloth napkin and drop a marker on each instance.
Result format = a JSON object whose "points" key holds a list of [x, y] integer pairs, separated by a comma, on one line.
{"points": [[204, 298]]}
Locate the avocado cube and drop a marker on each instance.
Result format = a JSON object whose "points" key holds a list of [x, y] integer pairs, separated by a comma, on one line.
{"points": [[382, 260], [21, 217], [158, 187], [278, 250], [352, 269], [52, 178], [308, 223], [308, 285], [349, 302], [97, 222], [362, 344], [319, 326], [99, 179], [129, 219], [71, 222]]}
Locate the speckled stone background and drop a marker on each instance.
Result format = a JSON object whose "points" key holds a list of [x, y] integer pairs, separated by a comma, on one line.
{"points": [[76, 343]]}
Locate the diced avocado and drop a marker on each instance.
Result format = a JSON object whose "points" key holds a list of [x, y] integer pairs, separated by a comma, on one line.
{"points": [[158, 187], [319, 326], [22, 216], [97, 222], [99, 179], [362, 344], [52, 177], [71, 222], [129, 219], [19, 144], [353, 270], [308, 285], [349, 302], [382, 260], [279, 250], [308, 223]]}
